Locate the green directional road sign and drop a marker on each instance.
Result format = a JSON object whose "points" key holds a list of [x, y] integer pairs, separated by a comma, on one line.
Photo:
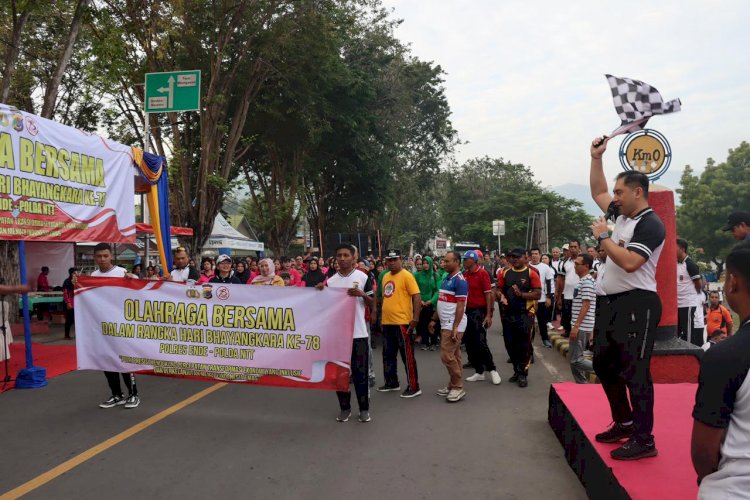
{"points": [[173, 91]]}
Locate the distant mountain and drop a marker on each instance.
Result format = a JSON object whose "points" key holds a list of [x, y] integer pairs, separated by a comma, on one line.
{"points": [[582, 193]]}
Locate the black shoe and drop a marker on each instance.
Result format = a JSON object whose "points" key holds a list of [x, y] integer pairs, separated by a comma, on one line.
{"points": [[389, 388], [408, 393], [615, 433], [522, 381], [514, 378], [635, 449]]}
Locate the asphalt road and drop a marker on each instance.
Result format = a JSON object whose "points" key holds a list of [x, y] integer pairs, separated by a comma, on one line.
{"points": [[255, 442]]}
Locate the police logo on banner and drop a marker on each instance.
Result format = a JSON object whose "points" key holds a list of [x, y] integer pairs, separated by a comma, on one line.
{"points": [[646, 151]]}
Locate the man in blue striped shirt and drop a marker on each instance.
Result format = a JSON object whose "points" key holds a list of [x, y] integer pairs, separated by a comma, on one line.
{"points": [[584, 310]]}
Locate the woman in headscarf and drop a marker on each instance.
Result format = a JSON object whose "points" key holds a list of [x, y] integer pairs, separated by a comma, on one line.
{"points": [[314, 275], [429, 289], [267, 274], [242, 272]]}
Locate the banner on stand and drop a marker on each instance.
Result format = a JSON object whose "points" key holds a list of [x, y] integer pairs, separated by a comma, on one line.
{"points": [[60, 183]]}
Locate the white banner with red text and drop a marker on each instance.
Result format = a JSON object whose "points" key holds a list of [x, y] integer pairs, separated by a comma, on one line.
{"points": [[60, 183], [267, 335]]}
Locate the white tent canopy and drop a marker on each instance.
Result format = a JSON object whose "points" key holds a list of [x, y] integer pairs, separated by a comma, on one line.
{"points": [[224, 236]]}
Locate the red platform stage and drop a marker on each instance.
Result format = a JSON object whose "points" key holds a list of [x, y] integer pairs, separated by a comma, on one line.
{"points": [[578, 412], [57, 359]]}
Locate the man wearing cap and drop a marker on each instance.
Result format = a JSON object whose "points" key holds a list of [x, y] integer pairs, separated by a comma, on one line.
{"points": [[182, 271], [479, 308], [400, 312], [739, 224], [224, 271], [519, 289]]}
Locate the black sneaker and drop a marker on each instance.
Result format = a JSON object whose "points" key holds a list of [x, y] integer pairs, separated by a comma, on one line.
{"points": [[514, 378], [112, 402], [344, 416], [364, 416], [408, 393], [635, 449], [522, 381], [615, 433], [389, 388]]}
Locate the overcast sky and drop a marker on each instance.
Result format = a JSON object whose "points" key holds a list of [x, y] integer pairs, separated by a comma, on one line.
{"points": [[525, 80]]}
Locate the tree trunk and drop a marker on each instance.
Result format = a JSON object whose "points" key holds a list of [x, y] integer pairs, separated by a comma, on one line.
{"points": [[53, 85], [11, 57]]}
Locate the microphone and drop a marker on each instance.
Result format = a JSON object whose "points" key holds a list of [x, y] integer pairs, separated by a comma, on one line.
{"points": [[613, 212]]}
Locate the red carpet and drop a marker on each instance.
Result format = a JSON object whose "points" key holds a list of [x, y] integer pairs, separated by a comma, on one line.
{"points": [[669, 475], [57, 359]]}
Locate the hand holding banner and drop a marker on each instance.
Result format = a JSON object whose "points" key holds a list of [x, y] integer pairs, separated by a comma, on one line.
{"points": [[293, 337]]}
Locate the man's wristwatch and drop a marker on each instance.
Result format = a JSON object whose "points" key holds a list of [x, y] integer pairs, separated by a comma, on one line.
{"points": [[603, 236]]}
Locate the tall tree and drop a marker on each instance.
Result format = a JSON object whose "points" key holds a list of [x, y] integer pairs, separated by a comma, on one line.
{"points": [[485, 189], [230, 42], [707, 199]]}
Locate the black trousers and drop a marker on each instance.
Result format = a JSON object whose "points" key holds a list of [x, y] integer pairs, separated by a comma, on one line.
{"points": [[566, 315], [113, 379], [360, 369], [475, 339], [517, 330], [395, 341], [542, 316], [624, 334], [70, 320], [425, 316], [685, 326]]}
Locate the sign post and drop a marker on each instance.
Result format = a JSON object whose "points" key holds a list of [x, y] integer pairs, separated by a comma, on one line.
{"points": [[498, 229], [173, 91]]}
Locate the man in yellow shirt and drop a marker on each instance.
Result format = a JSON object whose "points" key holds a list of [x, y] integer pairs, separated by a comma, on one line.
{"points": [[401, 308]]}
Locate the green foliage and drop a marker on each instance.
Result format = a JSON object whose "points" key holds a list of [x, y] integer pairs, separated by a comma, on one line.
{"points": [[707, 199], [485, 189]]}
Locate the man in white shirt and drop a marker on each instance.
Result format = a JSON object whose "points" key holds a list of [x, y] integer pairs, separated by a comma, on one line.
{"points": [[358, 284], [105, 269], [566, 286], [182, 271], [544, 307], [689, 285], [720, 443]]}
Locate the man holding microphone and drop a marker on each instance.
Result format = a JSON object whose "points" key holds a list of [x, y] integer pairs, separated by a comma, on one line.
{"points": [[629, 311]]}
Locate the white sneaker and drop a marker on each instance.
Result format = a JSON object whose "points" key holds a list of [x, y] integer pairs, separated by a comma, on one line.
{"points": [[444, 391], [477, 377], [550, 326], [560, 328], [132, 402], [455, 395], [495, 377]]}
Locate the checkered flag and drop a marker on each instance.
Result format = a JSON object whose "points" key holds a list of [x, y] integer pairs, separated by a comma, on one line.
{"points": [[636, 102]]}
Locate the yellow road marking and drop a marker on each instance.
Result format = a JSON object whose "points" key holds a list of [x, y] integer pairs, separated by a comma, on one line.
{"points": [[74, 462]]}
